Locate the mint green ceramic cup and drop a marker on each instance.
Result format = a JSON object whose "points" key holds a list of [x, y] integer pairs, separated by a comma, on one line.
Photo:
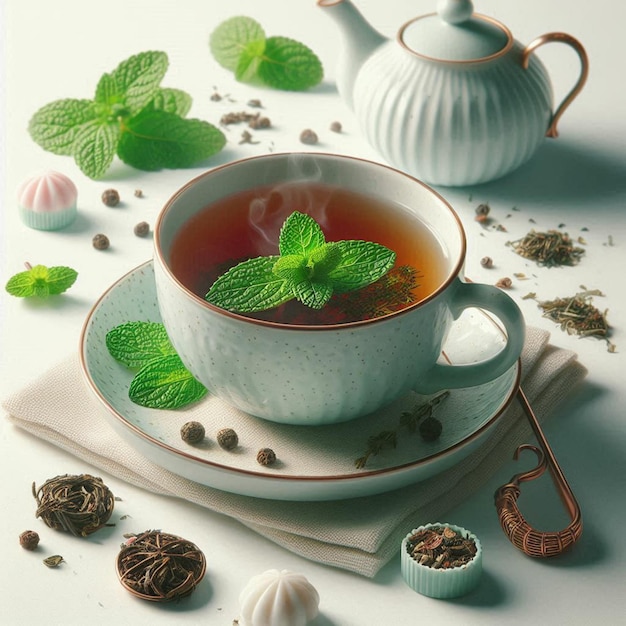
{"points": [[311, 375]]}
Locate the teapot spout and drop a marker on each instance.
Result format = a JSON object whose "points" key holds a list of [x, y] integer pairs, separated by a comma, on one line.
{"points": [[360, 39]]}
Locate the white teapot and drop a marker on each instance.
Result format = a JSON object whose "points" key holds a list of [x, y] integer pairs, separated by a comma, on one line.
{"points": [[453, 99]]}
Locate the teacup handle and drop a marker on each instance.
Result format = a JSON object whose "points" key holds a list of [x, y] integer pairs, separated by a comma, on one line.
{"points": [[493, 300], [582, 79]]}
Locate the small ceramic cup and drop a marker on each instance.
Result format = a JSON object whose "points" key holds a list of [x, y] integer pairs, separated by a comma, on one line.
{"points": [[311, 375], [441, 583]]}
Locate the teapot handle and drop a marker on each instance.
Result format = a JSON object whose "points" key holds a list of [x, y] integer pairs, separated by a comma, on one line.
{"points": [[584, 71]]}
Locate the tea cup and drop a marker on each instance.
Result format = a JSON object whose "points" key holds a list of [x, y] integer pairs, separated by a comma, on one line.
{"points": [[329, 373]]}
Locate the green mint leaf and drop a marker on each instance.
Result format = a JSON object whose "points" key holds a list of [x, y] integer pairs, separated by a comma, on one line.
{"points": [[250, 286], [289, 65], [362, 263], [94, 148], [137, 343], [55, 125], [291, 268], [172, 100], [155, 139], [231, 37], [324, 260], [312, 293], [247, 70], [137, 78], [300, 234], [107, 91], [41, 281], [165, 383]]}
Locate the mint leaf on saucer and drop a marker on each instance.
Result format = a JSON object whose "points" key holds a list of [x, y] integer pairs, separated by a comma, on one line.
{"points": [[162, 381], [136, 343], [156, 139], [165, 383], [239, 44], [41, 281]]}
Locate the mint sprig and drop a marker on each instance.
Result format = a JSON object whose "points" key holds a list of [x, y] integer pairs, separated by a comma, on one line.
{"points": [[41, 281], [162, 381], [240, 45], [130, 116], [308, 269]]}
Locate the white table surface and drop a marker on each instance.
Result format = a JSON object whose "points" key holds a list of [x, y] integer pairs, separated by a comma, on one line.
{"points": [[59, 49]]}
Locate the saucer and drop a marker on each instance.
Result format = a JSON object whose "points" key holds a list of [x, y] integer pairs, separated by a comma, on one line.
{"points": [[313, 462]]}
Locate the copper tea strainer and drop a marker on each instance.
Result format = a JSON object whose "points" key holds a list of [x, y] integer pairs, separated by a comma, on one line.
{"points": [[533, 542]]}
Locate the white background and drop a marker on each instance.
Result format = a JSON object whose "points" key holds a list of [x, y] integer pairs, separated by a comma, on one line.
{"points": [[59, 49]]}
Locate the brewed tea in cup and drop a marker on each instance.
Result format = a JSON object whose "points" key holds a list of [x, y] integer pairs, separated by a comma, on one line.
{"points": [[363, 349]]}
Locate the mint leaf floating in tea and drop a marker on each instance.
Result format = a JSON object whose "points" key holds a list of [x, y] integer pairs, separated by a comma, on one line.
{"points": [[41, 281], [130, 116], [162, 381], [308, 269], [240, 45]]}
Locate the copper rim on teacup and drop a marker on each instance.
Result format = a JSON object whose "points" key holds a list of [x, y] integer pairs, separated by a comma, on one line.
{"points": [[313, 375]]}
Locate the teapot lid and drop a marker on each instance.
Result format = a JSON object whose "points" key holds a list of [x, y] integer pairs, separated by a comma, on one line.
{"points": [[455, 33]]}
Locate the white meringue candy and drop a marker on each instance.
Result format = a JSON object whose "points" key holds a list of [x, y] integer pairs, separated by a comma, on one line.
{"points": [[278, 598]]}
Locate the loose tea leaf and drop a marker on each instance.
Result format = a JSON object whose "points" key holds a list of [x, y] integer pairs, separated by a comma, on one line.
{"points": [[578, 316], [441, 547], [160, 567], [552, 248], [53, 561], [410, 421], [77, 504]]}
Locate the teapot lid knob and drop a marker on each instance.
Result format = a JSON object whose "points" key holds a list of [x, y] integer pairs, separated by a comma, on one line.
{"points": [[455, 11]]}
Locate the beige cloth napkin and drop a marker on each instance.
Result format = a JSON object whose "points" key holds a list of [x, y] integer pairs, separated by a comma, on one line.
{"points": [[359, 535]]}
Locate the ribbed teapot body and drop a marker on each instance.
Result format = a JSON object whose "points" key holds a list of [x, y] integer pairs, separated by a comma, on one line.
{"points": [[453, 123]]}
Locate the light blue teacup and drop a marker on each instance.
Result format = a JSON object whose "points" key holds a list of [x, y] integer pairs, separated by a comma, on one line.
{"points": [[312, 375]]}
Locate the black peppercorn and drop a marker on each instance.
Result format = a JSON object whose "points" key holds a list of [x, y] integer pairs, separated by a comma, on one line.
{"points": [[29, 540], [308, 136], [227, 438], [266, 456], [141, 229], [110, 197], [192, 432], [100, 242], [430, 429]]}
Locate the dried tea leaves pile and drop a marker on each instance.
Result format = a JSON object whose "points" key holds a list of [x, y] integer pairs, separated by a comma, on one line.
{"points": [[76, 504], [441, 547], [578, 316], [552, 248], [160, 567]]}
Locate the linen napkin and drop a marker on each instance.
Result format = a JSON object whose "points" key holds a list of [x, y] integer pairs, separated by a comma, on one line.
{"points": [[361, 534]]}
